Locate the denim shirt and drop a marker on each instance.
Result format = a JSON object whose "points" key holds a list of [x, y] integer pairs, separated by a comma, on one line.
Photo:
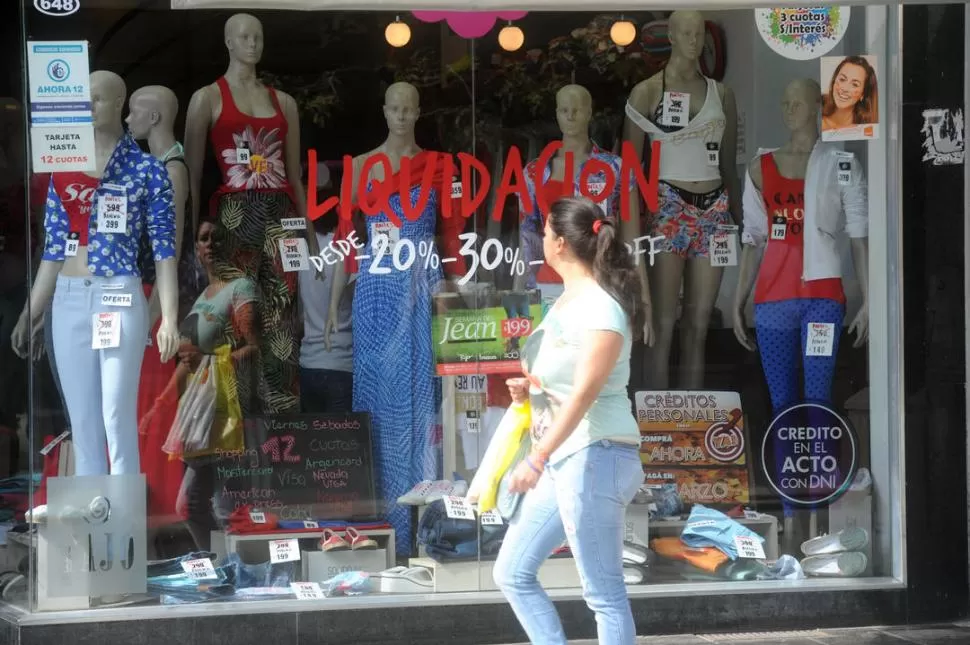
{"points": [[144, 181]]}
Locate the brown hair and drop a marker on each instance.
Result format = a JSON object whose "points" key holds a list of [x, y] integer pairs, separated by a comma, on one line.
{"points": [[867, 109]]}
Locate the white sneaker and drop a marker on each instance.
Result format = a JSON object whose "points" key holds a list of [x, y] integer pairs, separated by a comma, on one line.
{"points": [[416, 496], [835, 565], [441, 488], [850, 539]]}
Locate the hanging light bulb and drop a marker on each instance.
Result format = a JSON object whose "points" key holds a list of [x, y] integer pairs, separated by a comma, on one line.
{"points": [[511, 38], [397, 34], [623, 32]]}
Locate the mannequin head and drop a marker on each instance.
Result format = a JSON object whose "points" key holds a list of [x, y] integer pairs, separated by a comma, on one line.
{"points": [[574, 108], [244, 39], [854, 89], [108, 93], [686, 31], [401, 108], [151, 107], [800, 104]]}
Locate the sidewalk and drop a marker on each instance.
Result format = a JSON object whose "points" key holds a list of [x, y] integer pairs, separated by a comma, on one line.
{"points": [[958, 633]]}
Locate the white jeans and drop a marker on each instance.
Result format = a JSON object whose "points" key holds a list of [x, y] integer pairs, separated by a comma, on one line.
{"points": [[100, 386]]}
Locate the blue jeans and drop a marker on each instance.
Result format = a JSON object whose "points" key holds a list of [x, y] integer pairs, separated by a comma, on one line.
{"points": [[326, 391], [582, 500]]}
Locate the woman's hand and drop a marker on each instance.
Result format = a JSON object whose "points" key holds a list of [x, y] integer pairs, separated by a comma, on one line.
{"points": [[189, 355], [524, 478], [519, 389]]}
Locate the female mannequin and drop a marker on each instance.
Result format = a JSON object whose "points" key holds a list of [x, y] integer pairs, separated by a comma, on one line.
{"points": [[697, 194]]}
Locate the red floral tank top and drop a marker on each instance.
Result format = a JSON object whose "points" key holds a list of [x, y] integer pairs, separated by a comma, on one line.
{"points": [[780, 276], [250, 150]]}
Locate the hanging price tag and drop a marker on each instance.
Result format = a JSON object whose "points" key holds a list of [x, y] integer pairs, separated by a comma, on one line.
{"points": [[384, 233], [749, 547], [491, 518], [307, 590], [73, 244], [456, 190], [779, 228], [243, 156], [844, 173], [294, 255], [284, 551], [595, 187], [115, 299], [458, 508], [724, 250], [713, 154], [106, 330], [113, 213], [676, 108], [201, 569], [293, 223], [473, 422], [821, 339], [310, 524], [257, 517]]}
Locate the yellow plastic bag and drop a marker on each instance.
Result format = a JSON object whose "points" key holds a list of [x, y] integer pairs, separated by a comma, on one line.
{"points": [[226, 432], [499, 456]]}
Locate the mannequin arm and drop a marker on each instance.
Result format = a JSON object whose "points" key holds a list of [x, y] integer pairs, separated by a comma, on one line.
{"points": [[293, 166], [166, 284], [197, 122], [179, 176], [31, 320], [860, 258], [729, 154], [631, 228], [747, 273]]}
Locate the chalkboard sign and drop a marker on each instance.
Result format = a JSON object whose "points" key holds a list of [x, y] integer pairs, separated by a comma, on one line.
{"points": [[301, 466]]}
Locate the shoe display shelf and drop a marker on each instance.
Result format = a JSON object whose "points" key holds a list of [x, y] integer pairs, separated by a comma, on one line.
{"points": [[473, 575]]}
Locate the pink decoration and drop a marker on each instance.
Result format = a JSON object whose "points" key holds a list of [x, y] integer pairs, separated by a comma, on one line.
{"points": [[469, 24]]}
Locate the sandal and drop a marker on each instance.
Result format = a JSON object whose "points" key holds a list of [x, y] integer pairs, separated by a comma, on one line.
{"points": [[359, 542], [333, 542]]}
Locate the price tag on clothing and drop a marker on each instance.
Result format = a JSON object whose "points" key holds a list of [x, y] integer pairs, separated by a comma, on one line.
{"points": [[200, 569], [844, 172], [724, 249], [73, 244], [294, 255], [115, 299], [53, 442], [752, 515], [113, 213], [284, 551], [459, 508], [821, 339], [473, 422], [595, 187], [779, 228], [307, 590], [675, 109], [293, 223], [713, 154], [384, 233], [491, 518], [257, 517], [106, 330], [456, 190], [243, 155], [749, 547], [310, 524]]}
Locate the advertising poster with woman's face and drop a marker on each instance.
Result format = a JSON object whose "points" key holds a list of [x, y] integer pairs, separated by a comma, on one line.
{"points": [[850, 98]]}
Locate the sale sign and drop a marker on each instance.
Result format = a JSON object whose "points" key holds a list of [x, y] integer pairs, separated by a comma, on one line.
{"points": [[483, 336]]}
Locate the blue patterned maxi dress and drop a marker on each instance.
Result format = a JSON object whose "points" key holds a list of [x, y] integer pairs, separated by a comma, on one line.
{"points": [[394, 377]]}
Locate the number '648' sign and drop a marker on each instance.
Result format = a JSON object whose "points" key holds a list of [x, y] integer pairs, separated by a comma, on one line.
{"points": [[57, 7]]}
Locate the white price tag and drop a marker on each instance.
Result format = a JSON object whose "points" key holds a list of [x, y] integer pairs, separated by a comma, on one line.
{"points": [[676, 109], [115, 299], [243, 156], [310, 524], [201, 569], [458, 508], [106, 330], [713, 154], [293, 223], [724, 249], [473, 422], [73, 244], [257, 517], [307, 590], [456, 190], [294, 255], [752, 515], [779, 228], [844, 172], [284, 551], [821, 339], [749, 547], [595, 188], [113, 213], [53, 442], [491, 518], [382, 233]]}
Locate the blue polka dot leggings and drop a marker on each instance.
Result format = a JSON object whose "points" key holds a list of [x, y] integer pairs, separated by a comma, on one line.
{"points": [[782, 330]]}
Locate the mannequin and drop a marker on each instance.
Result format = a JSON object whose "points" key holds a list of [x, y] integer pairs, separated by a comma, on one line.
{"points": [[574, 109], [697, 195], [798, 200], [393, 359], [99, 390], [255, 133]]}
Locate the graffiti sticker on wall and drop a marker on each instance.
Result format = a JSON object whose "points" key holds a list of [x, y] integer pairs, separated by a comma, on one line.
{"points": [[944, 142]]}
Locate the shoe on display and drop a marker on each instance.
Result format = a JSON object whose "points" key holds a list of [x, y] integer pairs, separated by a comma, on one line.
{"points": [[633, 575], [850, 539], [36, 515], [359, 542], [406, 580], [441, 488], [634, 554], [836, 565], [333, 542], [416, 496]]}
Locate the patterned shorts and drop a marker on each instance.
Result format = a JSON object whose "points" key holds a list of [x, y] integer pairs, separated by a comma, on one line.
{"points": [[687, 220]]}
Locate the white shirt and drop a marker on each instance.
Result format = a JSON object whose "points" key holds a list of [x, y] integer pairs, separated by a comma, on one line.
{"points": [[830, 209]]}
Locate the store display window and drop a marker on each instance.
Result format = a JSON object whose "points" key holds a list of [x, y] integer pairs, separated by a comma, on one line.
{"points": [[278, 268]]}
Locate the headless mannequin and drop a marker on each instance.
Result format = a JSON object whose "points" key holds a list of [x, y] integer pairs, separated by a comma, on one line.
{"points": [[700, 280], [243, 36], [151, 116]]}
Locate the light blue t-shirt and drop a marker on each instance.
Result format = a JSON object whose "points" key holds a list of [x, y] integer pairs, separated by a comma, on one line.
{"points": [[550, 356]]}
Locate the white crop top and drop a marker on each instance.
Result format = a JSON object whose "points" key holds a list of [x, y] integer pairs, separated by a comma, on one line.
{"points": [[683, 152]]}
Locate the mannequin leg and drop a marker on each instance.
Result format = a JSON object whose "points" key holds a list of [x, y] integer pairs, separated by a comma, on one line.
{"points": [[777, 331], [701, 285], [665, 280], [79, 372]]}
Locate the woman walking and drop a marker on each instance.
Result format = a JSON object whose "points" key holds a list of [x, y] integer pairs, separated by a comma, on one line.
{"points": [[584, 466]]}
